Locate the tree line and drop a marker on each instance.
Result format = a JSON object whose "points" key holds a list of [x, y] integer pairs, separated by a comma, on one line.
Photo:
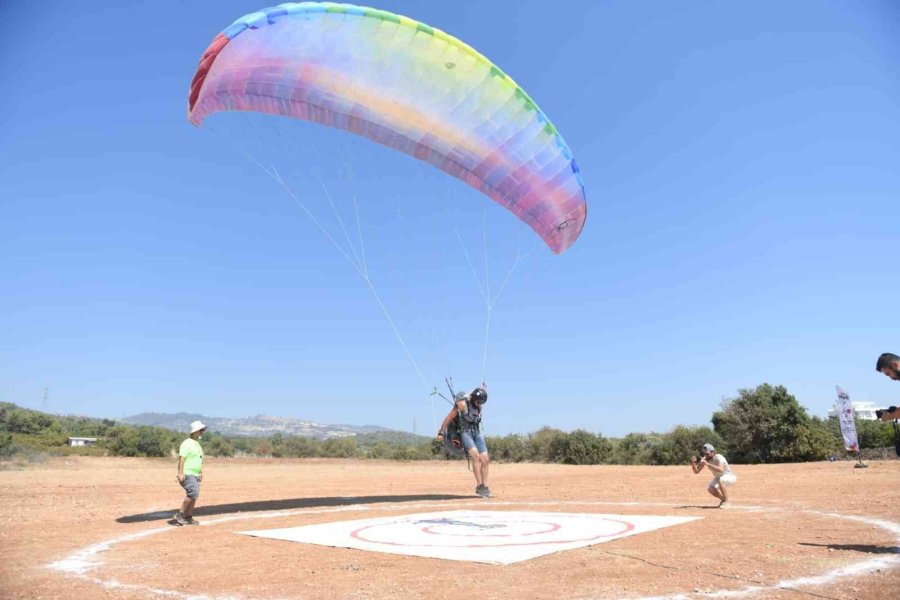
{"points": [[765, 424]]}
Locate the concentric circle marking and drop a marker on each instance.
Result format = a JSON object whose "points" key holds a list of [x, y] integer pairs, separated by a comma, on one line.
{"points": [[469, 534]]}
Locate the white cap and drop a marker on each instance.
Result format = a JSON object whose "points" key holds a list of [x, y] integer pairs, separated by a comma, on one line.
{"points": [[197, 426], [708, 448]]}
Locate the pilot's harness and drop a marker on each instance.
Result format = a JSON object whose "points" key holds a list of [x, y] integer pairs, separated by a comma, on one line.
{"points": [[453, 444]]}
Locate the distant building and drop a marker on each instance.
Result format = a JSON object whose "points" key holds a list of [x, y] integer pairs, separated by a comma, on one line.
{"points": [[865, 411], [81, 441]]}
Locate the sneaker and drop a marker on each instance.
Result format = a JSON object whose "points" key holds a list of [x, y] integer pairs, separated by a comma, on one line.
{"points": [[724, 504], [191, 521], [483, 491], [179, 519]]}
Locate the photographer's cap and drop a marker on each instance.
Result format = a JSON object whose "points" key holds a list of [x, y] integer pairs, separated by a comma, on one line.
{"points": [[707, 448]]}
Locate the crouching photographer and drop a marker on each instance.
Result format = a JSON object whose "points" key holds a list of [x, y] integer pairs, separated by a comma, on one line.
{"points": [[721, 470]]}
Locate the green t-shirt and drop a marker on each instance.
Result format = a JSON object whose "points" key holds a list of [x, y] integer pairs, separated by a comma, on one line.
{"points": [[192, 453]]}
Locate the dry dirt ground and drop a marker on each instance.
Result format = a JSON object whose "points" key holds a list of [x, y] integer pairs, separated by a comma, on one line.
{"points": [[820, 530]]}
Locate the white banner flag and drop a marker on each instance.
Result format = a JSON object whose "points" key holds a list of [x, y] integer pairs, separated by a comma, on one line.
{"points": [[845, 417]]}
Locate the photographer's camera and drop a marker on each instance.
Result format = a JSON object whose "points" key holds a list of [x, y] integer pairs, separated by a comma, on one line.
{"points": [[879, 412]]}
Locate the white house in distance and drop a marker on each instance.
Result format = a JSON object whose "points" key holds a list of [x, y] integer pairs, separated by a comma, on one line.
{"points": [[82, 441], [865, 411]]}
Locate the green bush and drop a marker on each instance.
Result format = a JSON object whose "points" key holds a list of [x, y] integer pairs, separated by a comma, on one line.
{"points": [[511, 448], [634, 449], [579, 448], [679, 445], [768, 425]]}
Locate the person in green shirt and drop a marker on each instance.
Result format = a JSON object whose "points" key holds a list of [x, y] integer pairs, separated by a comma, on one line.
{"points": [[190, 473]]}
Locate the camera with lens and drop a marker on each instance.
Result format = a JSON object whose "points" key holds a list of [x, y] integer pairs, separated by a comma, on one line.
{"points": [[890, 409]]}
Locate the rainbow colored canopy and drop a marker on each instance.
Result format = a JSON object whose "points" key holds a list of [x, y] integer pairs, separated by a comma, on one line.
{"points": [[407, 86]]}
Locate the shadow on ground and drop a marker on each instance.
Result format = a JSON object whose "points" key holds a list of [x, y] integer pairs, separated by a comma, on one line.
{"points": [[869, 549], [292, 503]]}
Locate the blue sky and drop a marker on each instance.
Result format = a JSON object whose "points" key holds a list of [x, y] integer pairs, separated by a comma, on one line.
{"points": [[742, 169]]}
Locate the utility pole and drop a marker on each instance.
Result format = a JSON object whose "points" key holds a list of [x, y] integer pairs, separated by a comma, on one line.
{"points": [[44, 402]]}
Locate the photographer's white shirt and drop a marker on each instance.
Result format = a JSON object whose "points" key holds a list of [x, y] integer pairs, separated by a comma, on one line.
{"points": [[726, 476], [719, 461]]}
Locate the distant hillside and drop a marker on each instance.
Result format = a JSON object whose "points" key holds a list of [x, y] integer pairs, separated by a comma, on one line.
{"points": [[266, 426]]}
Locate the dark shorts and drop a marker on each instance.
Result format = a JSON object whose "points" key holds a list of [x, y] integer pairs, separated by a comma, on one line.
{"points": [[191, 486]]}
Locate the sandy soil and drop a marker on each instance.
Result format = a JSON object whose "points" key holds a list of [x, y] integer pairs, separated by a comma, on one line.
{"points": [[822, 530]]}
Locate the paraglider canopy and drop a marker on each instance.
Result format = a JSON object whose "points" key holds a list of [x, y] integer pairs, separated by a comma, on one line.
{"points": [[407, 86]]}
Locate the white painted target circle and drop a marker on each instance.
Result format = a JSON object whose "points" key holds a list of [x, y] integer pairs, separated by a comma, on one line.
{"points": [[491, 531]]}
